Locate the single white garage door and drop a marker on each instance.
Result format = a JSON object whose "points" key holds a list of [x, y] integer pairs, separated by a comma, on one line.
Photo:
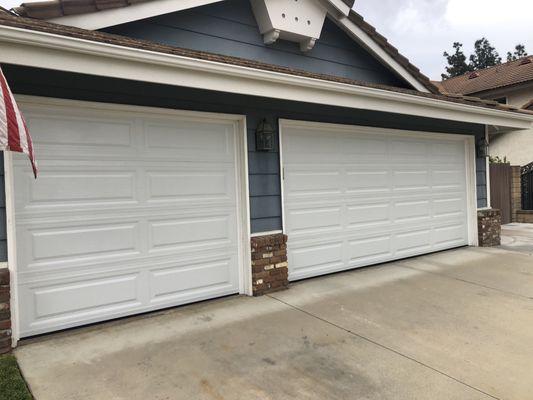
{"points": [[133, 210], [356, 196]]}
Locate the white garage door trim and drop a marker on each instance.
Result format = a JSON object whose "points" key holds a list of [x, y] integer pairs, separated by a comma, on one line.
{"points": [[241, 172], [470, 161]]}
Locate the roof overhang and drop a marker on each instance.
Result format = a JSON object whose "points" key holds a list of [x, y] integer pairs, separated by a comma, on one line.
{"points": [[337, 10], [134, 12], [64, 53]]}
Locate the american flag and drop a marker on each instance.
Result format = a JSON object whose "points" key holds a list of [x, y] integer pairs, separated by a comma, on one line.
{"points": [[14, 135]]}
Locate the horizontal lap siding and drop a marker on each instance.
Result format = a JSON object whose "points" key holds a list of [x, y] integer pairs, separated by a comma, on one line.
{"points": [[264, 169], [229, 28]]}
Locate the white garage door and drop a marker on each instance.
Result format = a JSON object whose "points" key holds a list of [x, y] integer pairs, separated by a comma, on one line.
{"points": [[133, 210], [357, 196]]}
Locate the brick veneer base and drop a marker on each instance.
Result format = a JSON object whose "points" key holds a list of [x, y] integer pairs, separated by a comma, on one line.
{"points": [[489, 227], [5, 314], [270, 271]]}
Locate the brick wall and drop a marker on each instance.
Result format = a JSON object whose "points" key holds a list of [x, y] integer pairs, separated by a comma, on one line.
{"points": [[524, 216], [269, 264], [489, 227], [5, 315], [516, 192]]}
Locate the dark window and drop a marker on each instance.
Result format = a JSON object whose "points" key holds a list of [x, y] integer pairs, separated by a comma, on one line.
{"points": [[501, 100]]}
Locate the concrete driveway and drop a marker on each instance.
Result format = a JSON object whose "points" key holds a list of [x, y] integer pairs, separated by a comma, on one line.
{"points": [[453, 325], [518, 237]]}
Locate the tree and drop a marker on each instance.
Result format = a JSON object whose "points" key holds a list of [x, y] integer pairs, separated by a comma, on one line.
{"points": [[484, 56], [456, 62], [519, 52]]}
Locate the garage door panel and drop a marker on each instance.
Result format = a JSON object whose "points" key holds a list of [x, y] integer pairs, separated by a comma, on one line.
{"points": [[379, 196], [75, 297], [314, 219], [62, 133], [201, 232], [320, 256], [140, 216], [183, 185], [175, 282], [360, 181], [181, 139], [84, 241], [63, 189]]}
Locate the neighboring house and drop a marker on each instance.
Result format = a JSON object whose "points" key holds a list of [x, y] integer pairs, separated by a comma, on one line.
{"points": [[180, 141], [512, 84]]}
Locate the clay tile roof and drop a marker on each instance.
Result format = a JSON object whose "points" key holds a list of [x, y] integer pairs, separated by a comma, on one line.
{"points": [[116, 40], [508, 74], [49, 9]]}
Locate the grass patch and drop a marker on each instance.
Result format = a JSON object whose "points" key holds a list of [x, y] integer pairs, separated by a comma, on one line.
{"points": [[12, 385]]}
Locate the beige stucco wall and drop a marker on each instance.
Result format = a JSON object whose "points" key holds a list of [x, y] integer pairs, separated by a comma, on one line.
{"points": [[517, 146]]}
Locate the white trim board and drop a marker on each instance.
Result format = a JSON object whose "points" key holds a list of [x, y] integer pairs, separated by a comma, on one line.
{"points": [[116, 16], [44, 50], [241, 171]]}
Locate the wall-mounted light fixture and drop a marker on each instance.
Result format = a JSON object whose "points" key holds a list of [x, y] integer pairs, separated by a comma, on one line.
{"points": [[482, 148], [264, 136]]}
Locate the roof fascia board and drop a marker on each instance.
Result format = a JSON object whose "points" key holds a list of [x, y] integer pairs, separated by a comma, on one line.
{"points": [[366, 41], [44, 50], [116, 16]]}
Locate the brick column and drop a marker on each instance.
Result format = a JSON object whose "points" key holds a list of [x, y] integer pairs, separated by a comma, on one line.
{"points": [[489, 227], [269, 264], [516, 192], [5, 314]]}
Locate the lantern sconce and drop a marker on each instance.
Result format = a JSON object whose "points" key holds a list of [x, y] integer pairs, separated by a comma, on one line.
{"points": [[264, 136], [482, 148]]}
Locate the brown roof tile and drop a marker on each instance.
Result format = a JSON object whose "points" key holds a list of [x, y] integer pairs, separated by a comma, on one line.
{"points": [[503, 75], [56, 8], [102, 37]]}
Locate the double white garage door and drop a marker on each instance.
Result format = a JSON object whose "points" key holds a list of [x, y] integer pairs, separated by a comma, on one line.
{"points": [[136, 210], [357, 196], [132, 211]]}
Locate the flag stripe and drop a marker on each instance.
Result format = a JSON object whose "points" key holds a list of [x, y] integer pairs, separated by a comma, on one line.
{"points": [[14, 134], [3, 120]]}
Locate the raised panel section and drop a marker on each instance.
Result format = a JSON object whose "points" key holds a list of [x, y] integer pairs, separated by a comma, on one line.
{"points": [[79, 297], [83, 241], [63, 188], [179, 138], [315, 220], [188, 185], [190, 233], [319, 256], [181, 280], [62, 130], [369, 249]]}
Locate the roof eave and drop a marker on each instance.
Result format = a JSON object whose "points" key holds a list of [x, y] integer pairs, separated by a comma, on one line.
{"points": [[45, 50]]}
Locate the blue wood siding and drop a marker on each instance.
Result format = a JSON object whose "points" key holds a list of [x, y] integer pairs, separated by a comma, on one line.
{"points": [[264, 170], [229, 28]]}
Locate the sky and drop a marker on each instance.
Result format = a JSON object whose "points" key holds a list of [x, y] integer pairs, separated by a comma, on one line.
{"points": [[423, 29]]}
